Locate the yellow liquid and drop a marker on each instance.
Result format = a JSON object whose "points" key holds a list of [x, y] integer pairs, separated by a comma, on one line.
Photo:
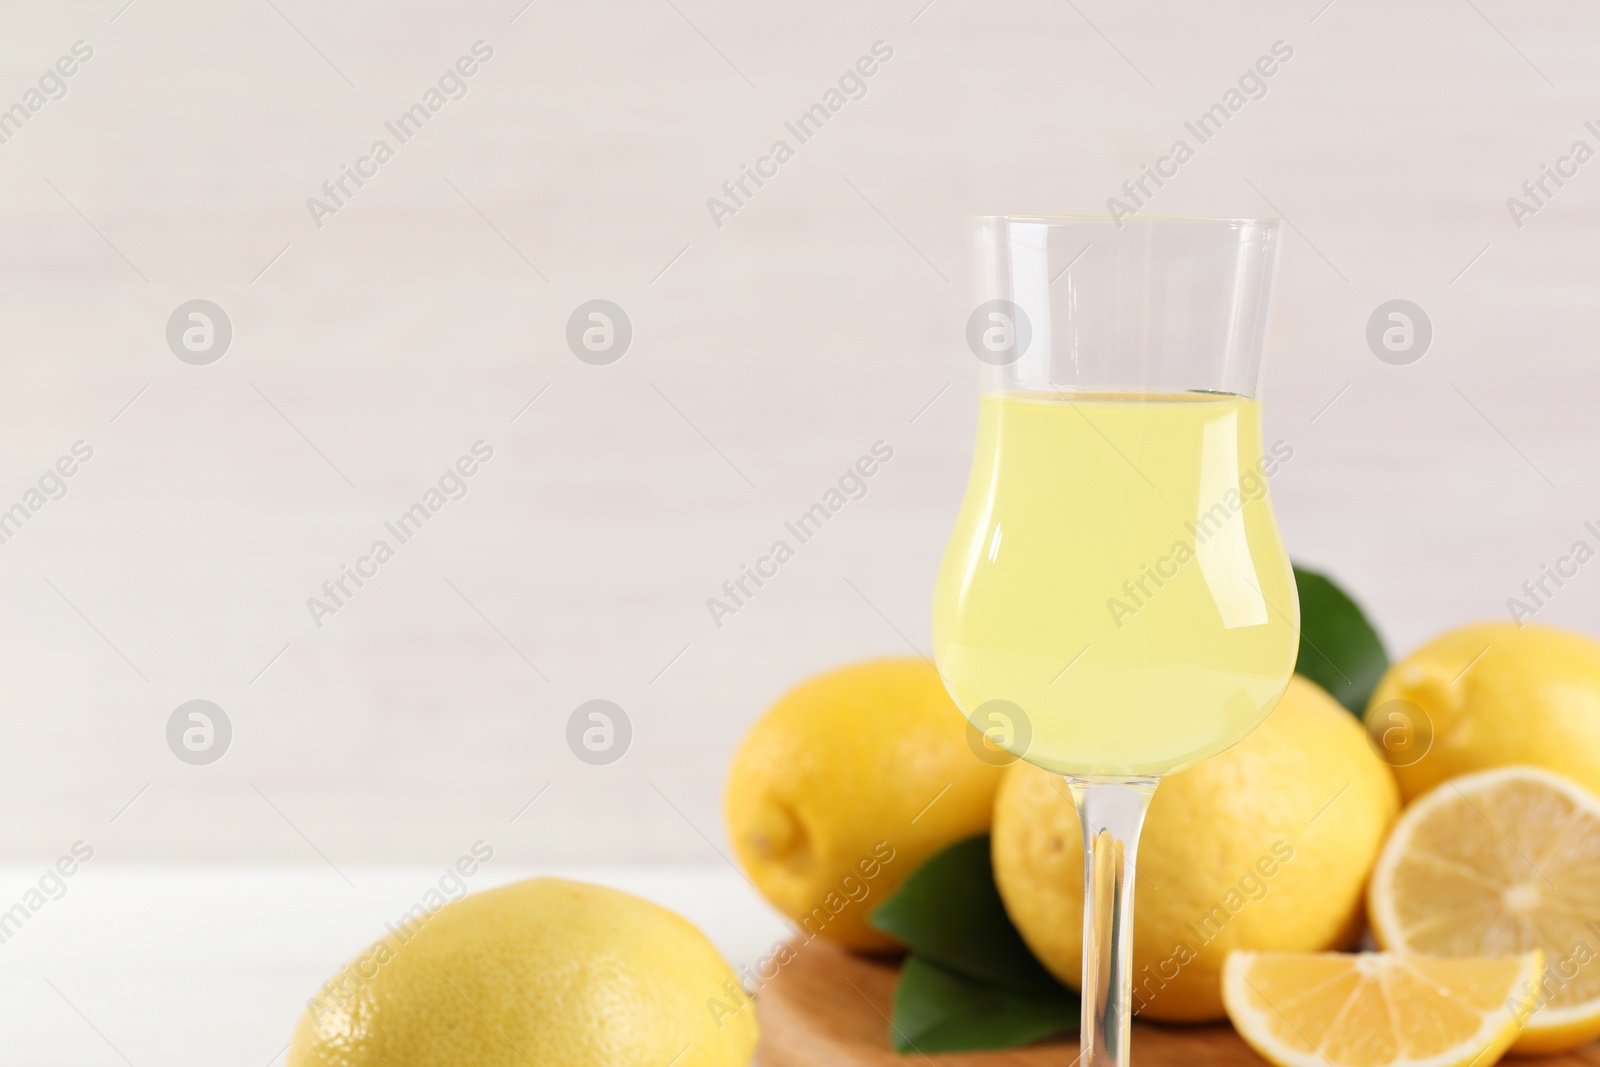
{"points": [[1116, 574]]}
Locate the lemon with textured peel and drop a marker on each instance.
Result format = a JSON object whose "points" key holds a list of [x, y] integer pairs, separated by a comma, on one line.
{"points": [[846, 785], [1327, 1009], [547, 972], [1491, 695], [1266, 846], [1496, 863]]}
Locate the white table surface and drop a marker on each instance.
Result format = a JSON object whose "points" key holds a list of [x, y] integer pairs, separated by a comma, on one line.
{"points": [[201, 966]]}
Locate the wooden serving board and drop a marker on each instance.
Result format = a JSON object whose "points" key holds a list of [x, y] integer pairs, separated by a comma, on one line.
{"points": [[830, 1008]]}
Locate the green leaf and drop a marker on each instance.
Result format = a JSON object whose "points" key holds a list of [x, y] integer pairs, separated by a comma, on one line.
{"points": [[949, 913], [970, 981], [938, 1010], [1339, 649]]}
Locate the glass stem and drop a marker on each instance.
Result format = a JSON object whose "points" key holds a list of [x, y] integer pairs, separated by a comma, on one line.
{"points": [[1111, 811]]}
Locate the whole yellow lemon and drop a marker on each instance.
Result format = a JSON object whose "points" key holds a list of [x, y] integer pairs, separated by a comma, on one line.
{"points": [[547, 971], [1266, 846], [1491, 695], [846, 785]]}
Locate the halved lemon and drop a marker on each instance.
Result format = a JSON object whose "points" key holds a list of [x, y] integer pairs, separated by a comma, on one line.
{"points": [[1498, 863], [1331, 1009]]}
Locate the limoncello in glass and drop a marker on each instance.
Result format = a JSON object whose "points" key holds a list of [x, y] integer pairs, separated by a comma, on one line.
{"points": [[1115, 602], [1116, 574]]}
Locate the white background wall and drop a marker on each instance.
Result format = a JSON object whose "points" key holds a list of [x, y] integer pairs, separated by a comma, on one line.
{"points": [[768, 354]]}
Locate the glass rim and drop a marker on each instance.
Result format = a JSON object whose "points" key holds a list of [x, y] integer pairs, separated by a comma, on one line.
{"points": [[1125, 220]]}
